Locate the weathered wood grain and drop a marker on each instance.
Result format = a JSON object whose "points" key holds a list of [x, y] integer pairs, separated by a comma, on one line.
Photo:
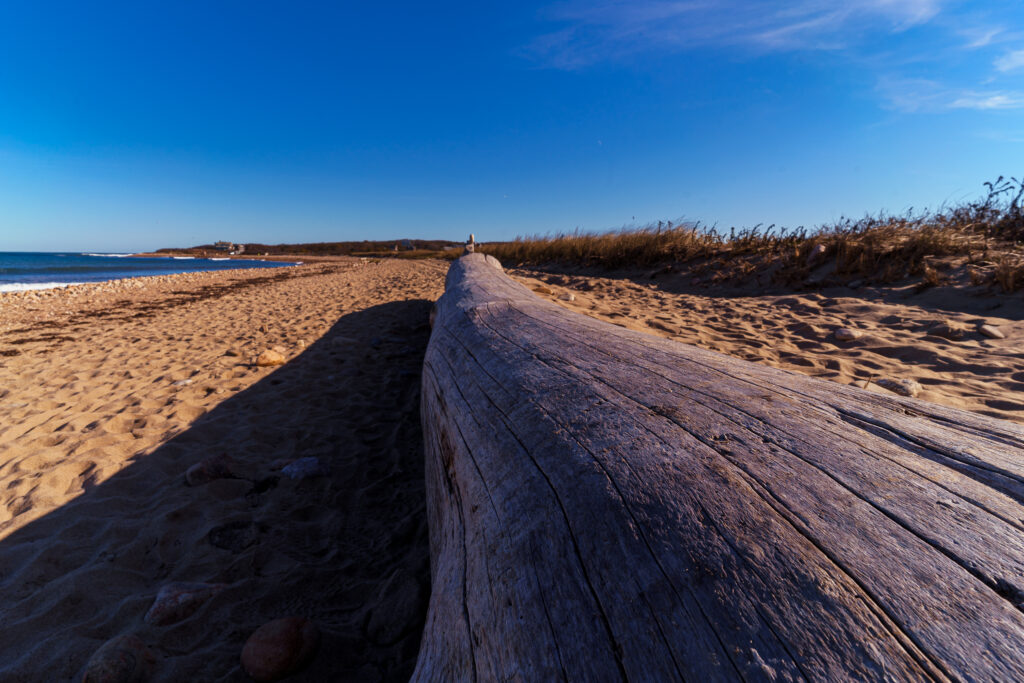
{"points": [[607, 505]]}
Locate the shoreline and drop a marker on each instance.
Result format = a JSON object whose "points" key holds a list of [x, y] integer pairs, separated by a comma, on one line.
{"points": [[19, 287]]}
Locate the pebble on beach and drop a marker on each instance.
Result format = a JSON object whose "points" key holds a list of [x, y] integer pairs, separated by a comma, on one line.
{"points": [[270, 357], [124, 659], [991, 331], [903, 387], [848, 334], [280, 648], [235, 536], [177, 601], [305, 468], [568, 296]]}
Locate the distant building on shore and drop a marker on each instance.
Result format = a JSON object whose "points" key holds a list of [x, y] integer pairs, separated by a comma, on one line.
{"points": [[229, 247]]}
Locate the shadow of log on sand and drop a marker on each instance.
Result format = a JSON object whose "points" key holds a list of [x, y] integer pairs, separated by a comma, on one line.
{"points": [[309, 501]]}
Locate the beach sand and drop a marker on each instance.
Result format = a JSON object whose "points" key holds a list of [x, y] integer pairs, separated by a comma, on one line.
{"points": [[110, 393]]}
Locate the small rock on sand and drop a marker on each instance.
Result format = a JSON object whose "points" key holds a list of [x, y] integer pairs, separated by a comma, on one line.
{"points": [[124, 659], [903, 387], [177, 601], [280, 648], [568, 296], [848, 334], [948, 329], [235, 536], [231, 352], [541, 289], [270, 357], [306, 468], [991, 331]]}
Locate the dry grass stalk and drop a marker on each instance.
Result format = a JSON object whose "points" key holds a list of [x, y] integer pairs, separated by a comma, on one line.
{"points": [[1009, 273]]}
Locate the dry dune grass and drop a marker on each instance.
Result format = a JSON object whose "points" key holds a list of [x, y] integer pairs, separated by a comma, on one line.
{"points": [[882, 248]]}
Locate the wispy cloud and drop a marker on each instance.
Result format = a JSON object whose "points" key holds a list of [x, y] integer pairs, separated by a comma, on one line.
{"points": [[979, 37], [921, 95], [1002, 136], [971, 99], [970, 50], [1011, 61], [592, 32]]}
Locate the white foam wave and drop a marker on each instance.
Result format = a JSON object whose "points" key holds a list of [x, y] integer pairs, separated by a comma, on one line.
{"points": [[109, 255], [28, 286], [220, 259], [183, 258]]}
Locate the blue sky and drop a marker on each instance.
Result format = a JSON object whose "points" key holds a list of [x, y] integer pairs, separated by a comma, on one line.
{"points": [[129, 126]]}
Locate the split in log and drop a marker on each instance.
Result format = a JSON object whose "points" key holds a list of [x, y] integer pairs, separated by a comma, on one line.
{"points": [[607, 505]]}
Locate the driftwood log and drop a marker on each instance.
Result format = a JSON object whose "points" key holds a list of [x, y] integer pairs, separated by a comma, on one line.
{"points": [[607, 505]]}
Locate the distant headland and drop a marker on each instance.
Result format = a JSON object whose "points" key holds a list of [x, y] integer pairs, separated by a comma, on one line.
{"points": [[408, 248]]}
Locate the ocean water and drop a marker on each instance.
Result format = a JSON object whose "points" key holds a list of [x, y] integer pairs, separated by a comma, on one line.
{"points": [[32, 270]]}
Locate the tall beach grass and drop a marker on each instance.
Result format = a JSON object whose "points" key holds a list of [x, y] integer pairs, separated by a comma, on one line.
{"points": [[882, 247]]}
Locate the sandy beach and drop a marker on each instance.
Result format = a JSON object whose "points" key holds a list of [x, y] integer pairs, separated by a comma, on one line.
{"points": [[110, 393], [142, 445]]}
